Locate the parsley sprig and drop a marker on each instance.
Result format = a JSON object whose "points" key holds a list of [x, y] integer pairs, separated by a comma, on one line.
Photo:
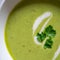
{"points": [[48, 32]]}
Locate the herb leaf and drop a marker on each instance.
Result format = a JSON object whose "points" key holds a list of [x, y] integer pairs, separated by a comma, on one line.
{"points": [[41, 37], [48, 43], [49, 31]]}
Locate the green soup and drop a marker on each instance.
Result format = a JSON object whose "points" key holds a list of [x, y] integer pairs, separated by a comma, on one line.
{"points": [[18, 31]]}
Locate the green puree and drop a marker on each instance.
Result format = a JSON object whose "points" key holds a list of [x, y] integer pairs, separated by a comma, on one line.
{"points": [[18, 31]]}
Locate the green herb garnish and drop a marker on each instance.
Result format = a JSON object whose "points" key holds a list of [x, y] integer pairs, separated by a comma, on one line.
{"points": [[48, 32]]}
